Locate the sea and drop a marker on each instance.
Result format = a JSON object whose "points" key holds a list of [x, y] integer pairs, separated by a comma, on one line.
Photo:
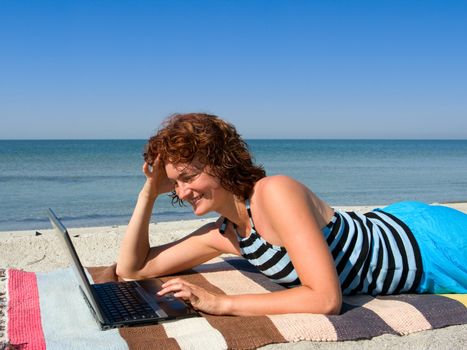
{"points": [[96, 182]]}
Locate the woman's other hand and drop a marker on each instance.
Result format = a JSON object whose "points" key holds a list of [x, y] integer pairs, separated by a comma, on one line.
{"points": [[199, 298], [157, 181]]}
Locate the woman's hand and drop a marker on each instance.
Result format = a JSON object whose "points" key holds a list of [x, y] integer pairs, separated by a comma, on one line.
{"points": [[198, 297], [157, 181]]}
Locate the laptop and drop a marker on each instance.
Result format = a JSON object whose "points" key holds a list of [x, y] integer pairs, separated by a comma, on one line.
{"points": [[123, 304]]}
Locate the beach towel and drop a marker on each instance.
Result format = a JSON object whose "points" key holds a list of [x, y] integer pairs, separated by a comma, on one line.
{"points": [[47, 311]]}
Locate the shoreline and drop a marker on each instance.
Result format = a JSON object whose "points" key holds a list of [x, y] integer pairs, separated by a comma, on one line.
{"points": [[40, 251], [459, 205], [44, 224]]}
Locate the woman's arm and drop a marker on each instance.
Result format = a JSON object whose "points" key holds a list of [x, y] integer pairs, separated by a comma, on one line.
{"points": [[288, 207], [137, 259], [296, 300], [296, 216]]}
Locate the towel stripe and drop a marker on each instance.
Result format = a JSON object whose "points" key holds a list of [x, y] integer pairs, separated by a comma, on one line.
{"points": [[246, 332], [24, 315], [194, 333], [400, 316], [430, 305], [148, 337], [76, 321], [296, 327], [349, 323]]}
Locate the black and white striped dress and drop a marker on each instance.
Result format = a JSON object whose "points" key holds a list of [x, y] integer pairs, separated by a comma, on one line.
{"points": [[374, 253]]}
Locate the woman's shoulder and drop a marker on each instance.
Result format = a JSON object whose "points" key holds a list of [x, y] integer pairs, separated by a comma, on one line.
{"points": [[277, 181], [289, 192], [271, 190], [279, 186]]}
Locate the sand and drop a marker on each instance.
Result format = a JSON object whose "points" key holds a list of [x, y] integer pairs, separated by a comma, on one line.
{"points": [[40, 251]]}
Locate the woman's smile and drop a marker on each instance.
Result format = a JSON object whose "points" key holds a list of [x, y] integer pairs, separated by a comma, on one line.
{"points": [[194, 201]]}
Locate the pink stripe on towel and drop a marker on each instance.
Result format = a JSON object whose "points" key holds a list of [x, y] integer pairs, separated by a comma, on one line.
{"points": [[24, 315]]}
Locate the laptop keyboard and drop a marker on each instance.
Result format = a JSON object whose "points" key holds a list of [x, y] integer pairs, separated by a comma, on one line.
{"points": [[121, 302]]}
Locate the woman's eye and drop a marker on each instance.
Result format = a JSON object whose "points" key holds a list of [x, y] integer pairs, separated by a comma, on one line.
{"points": [[190, 178]]}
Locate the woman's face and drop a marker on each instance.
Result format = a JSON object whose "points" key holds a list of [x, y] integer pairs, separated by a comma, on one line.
{"points": [[194, 185]]}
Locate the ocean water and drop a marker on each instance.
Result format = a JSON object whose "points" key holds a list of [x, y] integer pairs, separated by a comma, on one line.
{"points": [[96, 182]]}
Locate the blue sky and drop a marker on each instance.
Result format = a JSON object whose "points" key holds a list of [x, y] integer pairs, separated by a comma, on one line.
{"points": [[276, 69]]}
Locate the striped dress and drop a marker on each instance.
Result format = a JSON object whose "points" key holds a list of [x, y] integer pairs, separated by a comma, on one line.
{"points": [[374, 253]]}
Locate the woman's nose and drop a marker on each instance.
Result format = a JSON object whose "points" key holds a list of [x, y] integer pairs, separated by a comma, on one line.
{"points": [[183, 191]]}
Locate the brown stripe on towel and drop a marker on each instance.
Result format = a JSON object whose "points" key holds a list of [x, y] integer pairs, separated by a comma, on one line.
{"points": [[148, 337], [454, 312], [246, 332]]}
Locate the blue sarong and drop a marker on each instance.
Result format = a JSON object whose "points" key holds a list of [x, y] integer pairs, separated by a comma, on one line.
{"points": [[441, 234]]}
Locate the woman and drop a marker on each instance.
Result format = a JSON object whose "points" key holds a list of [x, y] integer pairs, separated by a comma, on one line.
{"points": [[283, 228]]}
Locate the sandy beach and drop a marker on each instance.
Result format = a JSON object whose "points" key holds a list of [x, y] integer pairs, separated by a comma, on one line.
{"points": [[40, 251]]}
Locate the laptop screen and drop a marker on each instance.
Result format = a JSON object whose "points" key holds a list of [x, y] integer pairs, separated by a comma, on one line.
{"points": [[76, 263]]}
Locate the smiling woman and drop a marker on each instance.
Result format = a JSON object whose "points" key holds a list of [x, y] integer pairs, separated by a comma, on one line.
{"points": [[195, 186], [281, 227], [216, 146]]}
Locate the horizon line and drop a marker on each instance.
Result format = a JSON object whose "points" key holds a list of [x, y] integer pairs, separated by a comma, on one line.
{"points": [[248, 138]]}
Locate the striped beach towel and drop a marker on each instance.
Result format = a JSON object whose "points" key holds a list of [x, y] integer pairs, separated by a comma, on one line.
{"points": [[47, 311]]}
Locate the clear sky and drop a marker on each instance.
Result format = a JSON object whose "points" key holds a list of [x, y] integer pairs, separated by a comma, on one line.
{"points": [[276, 69]]}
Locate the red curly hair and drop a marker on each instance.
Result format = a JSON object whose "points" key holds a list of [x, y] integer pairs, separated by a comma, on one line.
{"points": [[212, 141]]}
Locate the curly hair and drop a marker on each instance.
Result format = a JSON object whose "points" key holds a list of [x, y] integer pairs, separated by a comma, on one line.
{"points": [[214, 142]]}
